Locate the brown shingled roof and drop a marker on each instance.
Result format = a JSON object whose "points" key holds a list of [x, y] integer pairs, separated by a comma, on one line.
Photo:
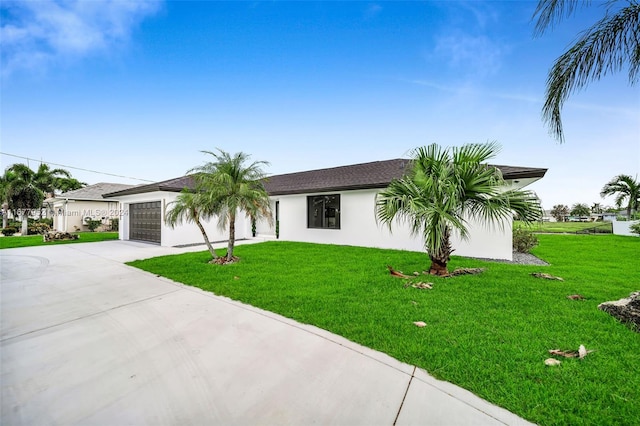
{"points": [[171, 185], [377, 174]]}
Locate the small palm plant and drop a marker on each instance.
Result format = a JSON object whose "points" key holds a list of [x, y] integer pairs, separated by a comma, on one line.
{"points": [[443, 189], [190, 207], [229, 186]]}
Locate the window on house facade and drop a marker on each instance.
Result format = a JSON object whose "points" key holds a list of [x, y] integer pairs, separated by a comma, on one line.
{"points": [[323, 211]]}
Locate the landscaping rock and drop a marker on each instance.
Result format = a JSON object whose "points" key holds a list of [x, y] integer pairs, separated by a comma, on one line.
{"points": [[58, 236], [546, 276], [626, 310]]}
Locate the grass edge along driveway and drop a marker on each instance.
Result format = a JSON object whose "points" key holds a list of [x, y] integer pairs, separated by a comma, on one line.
{"points": [[487, 333], [37, 240]]}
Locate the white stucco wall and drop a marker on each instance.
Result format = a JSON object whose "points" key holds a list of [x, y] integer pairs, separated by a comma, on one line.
{"points": [[358, 227], [187, 233], [68, 215], [623, 227]]}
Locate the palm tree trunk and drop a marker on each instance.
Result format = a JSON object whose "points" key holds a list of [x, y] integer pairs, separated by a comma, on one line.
{"points": [[25, 224], [438, 267], [5, 215], [206, 239], [232, 235], [440, 259]]}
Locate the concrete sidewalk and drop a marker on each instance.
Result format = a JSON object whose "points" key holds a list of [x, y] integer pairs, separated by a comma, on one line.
{"points": [[86, 339]]}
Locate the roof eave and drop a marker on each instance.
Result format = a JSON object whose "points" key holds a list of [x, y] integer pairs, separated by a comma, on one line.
{"points": [[329, 189]]}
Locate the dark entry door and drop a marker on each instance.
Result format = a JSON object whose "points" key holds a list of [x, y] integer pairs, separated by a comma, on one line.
{"points": [[144, 221]]}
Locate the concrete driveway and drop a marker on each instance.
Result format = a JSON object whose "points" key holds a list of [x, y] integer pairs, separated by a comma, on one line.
{"points": [[88, 340]]}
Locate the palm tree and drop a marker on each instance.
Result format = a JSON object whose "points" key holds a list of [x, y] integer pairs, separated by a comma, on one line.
{"points": [[189, 207], [624, 187], [232, 187], [606, 47], [596, 208], [580, 209], [48, 180], [69, 184], [25, 195], [5, 194], [443, 189]]}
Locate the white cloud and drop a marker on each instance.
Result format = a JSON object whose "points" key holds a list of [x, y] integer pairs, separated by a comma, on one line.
{"points": [[479, 55], [35, 34]]}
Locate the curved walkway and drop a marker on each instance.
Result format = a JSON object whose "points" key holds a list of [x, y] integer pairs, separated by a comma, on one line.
{"points": [[86, 339]]}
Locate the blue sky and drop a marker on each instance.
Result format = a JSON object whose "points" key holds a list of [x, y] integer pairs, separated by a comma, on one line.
{"points": [[139, 88]]}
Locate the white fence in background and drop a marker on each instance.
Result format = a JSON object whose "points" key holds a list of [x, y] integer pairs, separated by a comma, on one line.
{"points": [[623, 227]]}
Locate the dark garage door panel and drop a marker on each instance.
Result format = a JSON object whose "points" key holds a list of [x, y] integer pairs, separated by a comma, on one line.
{"points": [[144, 221]]}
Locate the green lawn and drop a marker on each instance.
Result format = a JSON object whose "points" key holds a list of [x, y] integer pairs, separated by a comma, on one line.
{"points": [[566, 227], [36, 240], [488, 333]]}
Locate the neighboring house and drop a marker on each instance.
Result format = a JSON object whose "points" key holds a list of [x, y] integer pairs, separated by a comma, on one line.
{"points": [[71, 209], [332, 206], [548, 217]]}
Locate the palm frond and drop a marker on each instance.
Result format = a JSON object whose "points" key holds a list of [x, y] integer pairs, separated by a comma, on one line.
{"points": [[550, 12], [606, 47]]}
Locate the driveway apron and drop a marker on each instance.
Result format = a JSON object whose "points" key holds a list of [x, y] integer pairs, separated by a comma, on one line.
{"points": [[86, 339]]}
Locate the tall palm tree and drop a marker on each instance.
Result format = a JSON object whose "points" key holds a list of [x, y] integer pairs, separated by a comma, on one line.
{"points": [[69, 184], [232, 187], [443, 189], [5, 194], [606, 47], [48, 180], [624, 187], [189, 207], [25, 194]]}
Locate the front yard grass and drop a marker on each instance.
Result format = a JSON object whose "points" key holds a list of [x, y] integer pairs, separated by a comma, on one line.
{"points": [[566, 227], [488, 333], [36, 240]]}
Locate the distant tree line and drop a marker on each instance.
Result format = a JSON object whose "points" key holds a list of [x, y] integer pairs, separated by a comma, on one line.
{"points": [[24, 190], [624, 188]]}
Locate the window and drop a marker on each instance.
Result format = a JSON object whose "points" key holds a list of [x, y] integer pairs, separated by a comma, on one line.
{"points": [[323, 211]]}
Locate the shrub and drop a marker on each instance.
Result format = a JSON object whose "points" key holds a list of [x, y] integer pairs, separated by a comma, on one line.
{"points": [[93, 224], [635, 228], [115, 224], [40, 227], [9, 231], [47, 220], [523, 240]]}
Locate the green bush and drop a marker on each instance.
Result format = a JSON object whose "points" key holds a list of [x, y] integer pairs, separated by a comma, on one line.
{"points": [[115, 224], [635, 228], [93, 224], [14, 224], [9, 231], [38, 228], [46, 220], [523, 240]]}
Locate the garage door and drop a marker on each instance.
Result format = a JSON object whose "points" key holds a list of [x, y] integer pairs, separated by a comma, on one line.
{"points": [[144, 221]]}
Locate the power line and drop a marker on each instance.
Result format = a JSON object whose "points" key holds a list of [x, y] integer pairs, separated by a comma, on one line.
{"points": [[75, 168]]}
